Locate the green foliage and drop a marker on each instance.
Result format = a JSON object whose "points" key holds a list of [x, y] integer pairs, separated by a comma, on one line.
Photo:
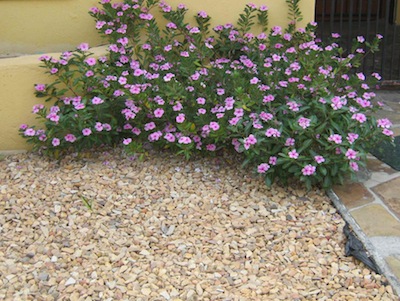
{"points": [[292, 106]]}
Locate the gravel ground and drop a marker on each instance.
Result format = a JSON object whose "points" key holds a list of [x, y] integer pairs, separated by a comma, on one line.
{"points": [[113, 228]]}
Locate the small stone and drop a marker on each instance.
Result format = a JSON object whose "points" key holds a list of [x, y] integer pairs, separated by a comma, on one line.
{"points": [[43, 276], [30, 255], [165, 295], [146, 291], [70, 281]]}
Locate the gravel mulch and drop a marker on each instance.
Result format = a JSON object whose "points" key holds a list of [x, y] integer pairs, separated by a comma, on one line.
{"points": [[113, 228]]}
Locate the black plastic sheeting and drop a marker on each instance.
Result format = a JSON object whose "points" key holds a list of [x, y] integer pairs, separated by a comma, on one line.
{"points": [[355, 248]]}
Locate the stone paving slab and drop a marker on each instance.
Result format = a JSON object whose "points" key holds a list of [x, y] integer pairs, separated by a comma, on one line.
{"points": [[389, 193], [372, 206], [375, 220], [394, 263], [354, 195]]}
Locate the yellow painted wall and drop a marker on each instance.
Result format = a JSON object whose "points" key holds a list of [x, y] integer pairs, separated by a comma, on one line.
{"points": [[39, 26], [17, 78], [59, 25], [224, 11], [397, 13]]}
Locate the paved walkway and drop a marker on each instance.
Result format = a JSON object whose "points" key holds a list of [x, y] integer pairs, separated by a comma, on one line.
{"points": [[372, 206]]}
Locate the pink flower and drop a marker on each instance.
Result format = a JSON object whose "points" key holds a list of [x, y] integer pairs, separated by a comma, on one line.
{"points": [[40, 87], [146, 16], [351, 154], [171, 25], [155, 136], [184, 54], [55, 142], [271, 132], [220, 91], [290, 142], [308, 170], [70, 138], [293, 106], [293, 154], [98, 126], [304, 122], [86, 132], [136, 131], [254, 81], [234, 120], [319, 159], [268, 98], [335, 138], [360, 76], [353, 166], [202, 14], [351, 137], [135, 89], [361, 39], [211, 147], [201, 111], [266, 116], [149, 126], [168, 77], [359, 117], [239, 112], [184, 140], [376, 75], [214, 126], [91, 61], [97, 100], [194, 30], [107, 127], [53, 117], [251, 140], [263, 168], [37, 108], [169, 137], [388, 132], [83, 47], [201, 101], [23, 126], [122, 80], [180, 118], [79, 106], [158, 113], [127, 141], [384, 123], [30, 132], [272, 160]]}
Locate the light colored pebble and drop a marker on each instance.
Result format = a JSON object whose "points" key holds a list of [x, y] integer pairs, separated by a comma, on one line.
{"points": [[169, 229]]}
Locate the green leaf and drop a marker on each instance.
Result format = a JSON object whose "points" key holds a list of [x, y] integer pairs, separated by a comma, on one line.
{"points": [[327, 182], [334, 170], [268, 181], [306, 144]]}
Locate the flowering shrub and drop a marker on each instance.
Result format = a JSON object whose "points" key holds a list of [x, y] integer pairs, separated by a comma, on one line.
{"points": [[291, 105]]}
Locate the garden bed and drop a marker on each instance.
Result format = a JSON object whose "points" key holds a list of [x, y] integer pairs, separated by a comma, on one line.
{"points": [[110, 227]]}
